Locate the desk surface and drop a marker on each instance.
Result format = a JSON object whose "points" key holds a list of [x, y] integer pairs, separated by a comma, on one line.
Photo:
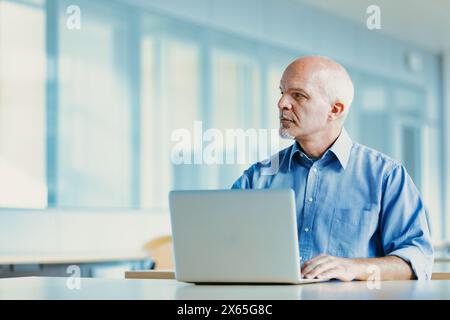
{"points": [[91, 288]]}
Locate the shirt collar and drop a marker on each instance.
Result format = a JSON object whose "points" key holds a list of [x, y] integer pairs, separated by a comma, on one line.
{"points": [[295, 148], [341, 149]]}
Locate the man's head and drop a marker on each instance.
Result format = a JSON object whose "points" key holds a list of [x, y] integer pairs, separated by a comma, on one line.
{"points": [[317, 93]]}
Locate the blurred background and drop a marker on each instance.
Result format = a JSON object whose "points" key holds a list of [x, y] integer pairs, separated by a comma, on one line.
{"points": [[91, 92]]}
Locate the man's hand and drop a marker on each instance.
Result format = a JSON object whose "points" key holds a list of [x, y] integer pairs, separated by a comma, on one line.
{"points": [[329, 267], [346, 269]]}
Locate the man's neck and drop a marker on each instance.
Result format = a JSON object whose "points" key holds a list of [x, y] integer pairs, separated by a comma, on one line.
{"points": [[316, 145]]}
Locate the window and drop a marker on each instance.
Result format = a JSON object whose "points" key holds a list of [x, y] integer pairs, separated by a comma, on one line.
{"points": [[94, 146], [235, 106], [411, 142], [22, 105], [180, 109], [374, 113], [431, 178], [150, 192]]}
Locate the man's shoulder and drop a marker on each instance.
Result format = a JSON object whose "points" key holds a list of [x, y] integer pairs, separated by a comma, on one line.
{"points": [[280, 157], [277, 160], [259, 174], [377, 159]]}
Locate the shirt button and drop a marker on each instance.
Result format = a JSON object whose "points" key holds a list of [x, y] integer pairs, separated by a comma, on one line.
{"points": [[306, 229], [310, 199], [315, 170]]}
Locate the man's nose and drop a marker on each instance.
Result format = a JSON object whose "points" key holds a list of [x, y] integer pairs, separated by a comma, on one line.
{"points": [[284, 103]]}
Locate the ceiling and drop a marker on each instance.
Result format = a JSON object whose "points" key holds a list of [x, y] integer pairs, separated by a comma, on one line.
{"points": [[424, 23]]}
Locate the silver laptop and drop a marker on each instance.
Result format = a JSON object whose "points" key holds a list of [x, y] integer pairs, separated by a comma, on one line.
{"points": [[235, 236]]}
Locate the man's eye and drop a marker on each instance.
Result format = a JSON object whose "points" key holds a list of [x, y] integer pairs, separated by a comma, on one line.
{"points": [[298, 95]]}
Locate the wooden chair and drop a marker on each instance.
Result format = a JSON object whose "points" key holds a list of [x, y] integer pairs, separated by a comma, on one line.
{"points": [[441, 269], [440, 276], [160, 251]]}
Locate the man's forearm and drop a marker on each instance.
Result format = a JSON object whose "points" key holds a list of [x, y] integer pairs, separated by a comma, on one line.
{"points": [[388, 268]]}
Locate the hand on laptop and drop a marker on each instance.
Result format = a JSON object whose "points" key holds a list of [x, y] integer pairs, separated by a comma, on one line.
{"points": [[329, 267]]}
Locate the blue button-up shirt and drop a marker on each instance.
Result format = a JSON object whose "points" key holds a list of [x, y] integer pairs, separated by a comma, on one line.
{"points": [[353, 202]]}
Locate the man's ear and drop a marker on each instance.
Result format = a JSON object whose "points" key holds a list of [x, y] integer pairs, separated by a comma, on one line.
{"points": [[337, 110]]}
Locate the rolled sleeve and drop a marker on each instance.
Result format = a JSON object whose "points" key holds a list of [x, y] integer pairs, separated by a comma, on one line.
{"points": [[404, 227], [421, 264]]}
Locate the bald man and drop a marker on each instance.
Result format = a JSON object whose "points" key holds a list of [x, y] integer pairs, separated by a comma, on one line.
{"points": [[359, 214]]}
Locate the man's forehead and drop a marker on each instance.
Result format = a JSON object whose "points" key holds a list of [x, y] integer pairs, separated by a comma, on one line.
{"points": [[298, 83], [301, 77]]}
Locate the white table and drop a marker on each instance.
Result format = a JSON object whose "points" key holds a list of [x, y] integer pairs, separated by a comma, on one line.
{"points": [[96, 288]]}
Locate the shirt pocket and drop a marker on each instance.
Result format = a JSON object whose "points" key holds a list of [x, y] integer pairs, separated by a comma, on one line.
{"points": [[351, 232]]}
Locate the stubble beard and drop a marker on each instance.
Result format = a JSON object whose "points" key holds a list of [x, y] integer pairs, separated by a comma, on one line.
{"points": [[284, 133]]}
